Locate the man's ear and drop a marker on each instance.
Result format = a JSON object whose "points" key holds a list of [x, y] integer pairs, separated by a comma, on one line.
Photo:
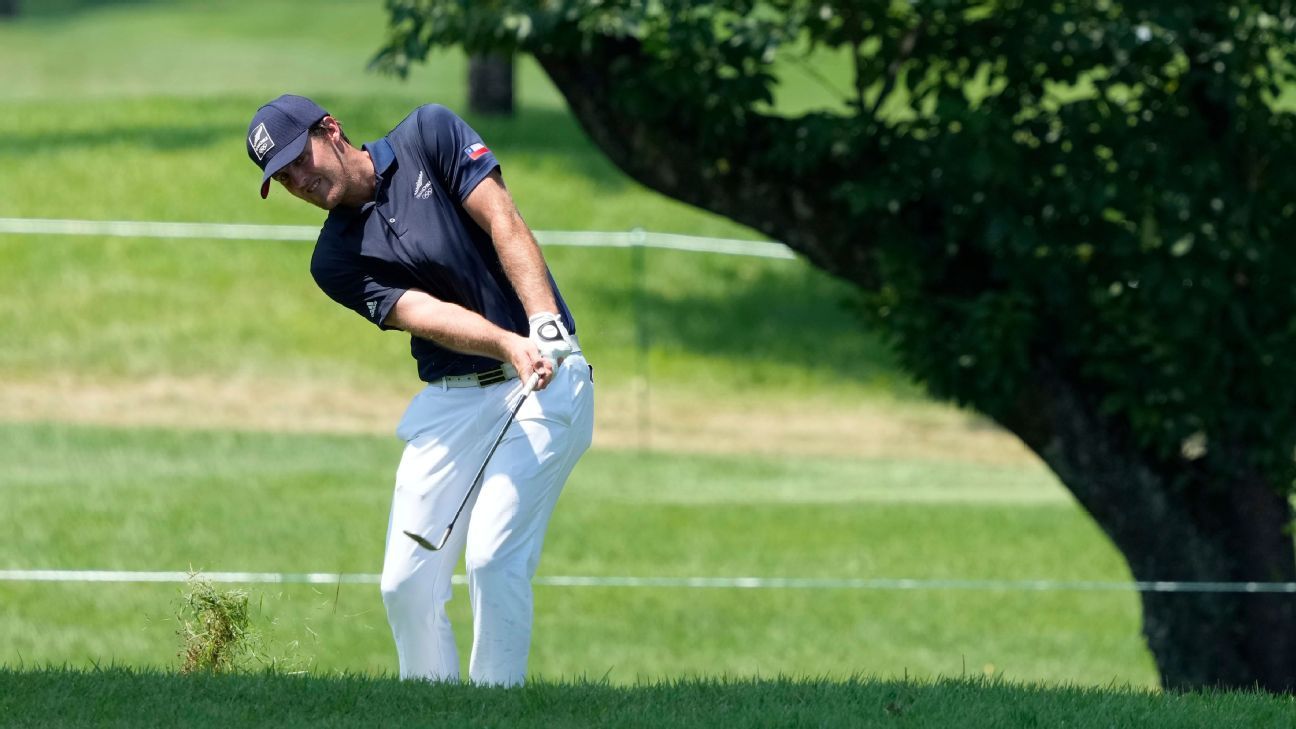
{"points": [[333, 128]]}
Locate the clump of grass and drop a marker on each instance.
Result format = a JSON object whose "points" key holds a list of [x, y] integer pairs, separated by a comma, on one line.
{"points": [[219, 633], [215, 628]]}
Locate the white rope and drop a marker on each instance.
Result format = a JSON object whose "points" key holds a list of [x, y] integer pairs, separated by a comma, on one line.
{"points": [[749, 583], [241, 231], [136, 229]]}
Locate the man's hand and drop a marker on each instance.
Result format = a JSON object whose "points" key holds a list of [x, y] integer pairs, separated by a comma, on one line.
{"points": [[522, 354], [551, 337]]}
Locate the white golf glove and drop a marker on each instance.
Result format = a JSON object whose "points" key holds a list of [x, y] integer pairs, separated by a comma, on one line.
{"points": [[551, 337]]}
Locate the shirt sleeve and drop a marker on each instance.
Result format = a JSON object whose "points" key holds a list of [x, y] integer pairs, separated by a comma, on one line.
{"points": [[454, 150], [358, 290]]}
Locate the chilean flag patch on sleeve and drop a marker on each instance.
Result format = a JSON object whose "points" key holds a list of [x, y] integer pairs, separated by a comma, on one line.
{"points": [[475, 151]]}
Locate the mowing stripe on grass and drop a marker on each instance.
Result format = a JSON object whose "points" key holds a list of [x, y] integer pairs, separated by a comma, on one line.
{"points": [[241, 231], [758, 583]]}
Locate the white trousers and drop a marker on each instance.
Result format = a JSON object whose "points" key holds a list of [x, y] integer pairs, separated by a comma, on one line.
{"points": [[448, 432]]}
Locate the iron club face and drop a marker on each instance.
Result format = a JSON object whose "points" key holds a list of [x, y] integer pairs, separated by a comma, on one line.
{"points": [[429, 545]]}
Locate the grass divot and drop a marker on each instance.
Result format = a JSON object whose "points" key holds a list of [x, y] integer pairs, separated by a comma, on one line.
{"points": [[215, 628], [220, 632]]}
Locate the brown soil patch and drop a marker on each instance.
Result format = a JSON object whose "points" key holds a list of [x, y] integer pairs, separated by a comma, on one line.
{"points": [[667, 421]]}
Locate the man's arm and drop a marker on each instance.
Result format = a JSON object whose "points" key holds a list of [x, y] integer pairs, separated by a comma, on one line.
{"points": [[454, 327], [491, 206]]}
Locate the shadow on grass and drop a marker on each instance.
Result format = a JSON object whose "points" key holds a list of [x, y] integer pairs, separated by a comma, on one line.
{"points": [[218, 125], [783, 313], [166, 138], [54, 9]]}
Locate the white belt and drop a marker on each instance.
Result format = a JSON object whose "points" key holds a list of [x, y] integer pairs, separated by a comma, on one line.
{"points": [[478, 379], [503, 373]]}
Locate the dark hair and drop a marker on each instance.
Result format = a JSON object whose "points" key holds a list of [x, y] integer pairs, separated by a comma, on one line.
{"points": [[317, 130]]}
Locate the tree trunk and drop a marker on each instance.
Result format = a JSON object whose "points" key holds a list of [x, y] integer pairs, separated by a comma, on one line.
{"points": [[490, 85], [10, 8], [1203, 532]]}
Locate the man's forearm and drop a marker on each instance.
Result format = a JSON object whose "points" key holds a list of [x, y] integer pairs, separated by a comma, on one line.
{"points": [[459, 329], [449, 325], [525, 267]]}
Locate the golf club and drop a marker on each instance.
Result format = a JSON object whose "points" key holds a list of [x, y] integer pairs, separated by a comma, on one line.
{"points": [[445, 536]]}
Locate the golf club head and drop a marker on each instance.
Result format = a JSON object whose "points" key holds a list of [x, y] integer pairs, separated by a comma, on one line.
{"points": [[445, 536]]}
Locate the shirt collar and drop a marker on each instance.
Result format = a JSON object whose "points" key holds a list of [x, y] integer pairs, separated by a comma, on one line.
{"points": [[383, 156]]}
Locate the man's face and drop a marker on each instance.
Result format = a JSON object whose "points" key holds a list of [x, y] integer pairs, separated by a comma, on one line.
{"points": [[317, 175]]}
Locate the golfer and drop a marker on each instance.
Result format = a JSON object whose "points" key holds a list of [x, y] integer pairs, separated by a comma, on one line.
{"points": [[422, 236]]}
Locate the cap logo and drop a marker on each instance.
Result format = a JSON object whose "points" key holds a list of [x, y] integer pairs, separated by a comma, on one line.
{"points": [[260, 141]]}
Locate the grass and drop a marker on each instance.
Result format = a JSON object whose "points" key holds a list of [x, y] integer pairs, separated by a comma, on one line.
{"points": [[282, 502], [133, 491], [76, 144], [188, 48], [250, 308], [175, 158], [118, 697], [194, 49], [626, 635]]}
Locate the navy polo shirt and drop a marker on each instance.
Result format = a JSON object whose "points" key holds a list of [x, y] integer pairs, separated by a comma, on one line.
{"points": [[415, 233]]}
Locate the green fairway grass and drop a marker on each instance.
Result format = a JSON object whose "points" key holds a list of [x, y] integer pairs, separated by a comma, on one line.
{"points": [[136, 308], [625, 634], [117, 697], [146, 500]]}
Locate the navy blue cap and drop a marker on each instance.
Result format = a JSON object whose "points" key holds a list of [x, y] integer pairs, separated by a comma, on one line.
{"points": [[278, 132]]}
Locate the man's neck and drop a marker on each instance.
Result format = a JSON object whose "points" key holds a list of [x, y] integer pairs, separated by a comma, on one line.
{"points": [[364, 184]]}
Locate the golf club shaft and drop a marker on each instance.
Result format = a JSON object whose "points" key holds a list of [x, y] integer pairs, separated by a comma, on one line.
{"points": [[445, 536]]}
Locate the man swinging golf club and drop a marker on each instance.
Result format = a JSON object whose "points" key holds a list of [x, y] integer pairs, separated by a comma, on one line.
{"points": [[423, 236]]}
